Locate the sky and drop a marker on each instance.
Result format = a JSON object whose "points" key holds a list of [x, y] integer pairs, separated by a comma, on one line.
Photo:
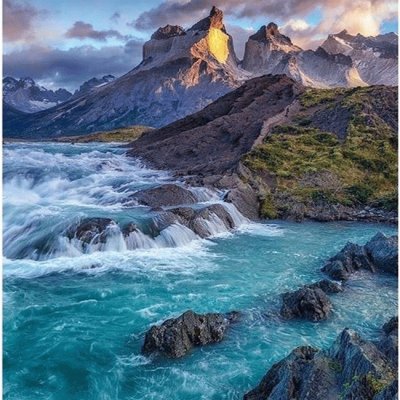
{"points": [[63, 43]]}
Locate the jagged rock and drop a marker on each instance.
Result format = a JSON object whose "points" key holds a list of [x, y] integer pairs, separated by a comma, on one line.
{"points": [[175, 337], [326, 286], [350, 259], [91, 230], [353, 369], [388, 344], [167, 32], [305, 374], [380, 253], [383, 252], [129, 228], [214, 20], [167, 195], [308, 303]]}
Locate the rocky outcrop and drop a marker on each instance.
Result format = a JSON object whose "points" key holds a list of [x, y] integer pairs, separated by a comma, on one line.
{"points": [[379, 254], [353, 368], [177, 336], [91, 230], [309, 303], [164, 196]]}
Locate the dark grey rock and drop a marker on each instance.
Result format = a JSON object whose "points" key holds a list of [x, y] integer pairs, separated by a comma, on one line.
{"points": [[390, 392], [312, 304], [168, 195], [388, 344], [175, 337], [326, 286], [91, 230], [383, 251], [305, 374]]}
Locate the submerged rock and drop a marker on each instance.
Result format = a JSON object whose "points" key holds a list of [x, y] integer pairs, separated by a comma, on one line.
{"points": [[176, 336], [379, 254], [353, 368], [308, 303]]}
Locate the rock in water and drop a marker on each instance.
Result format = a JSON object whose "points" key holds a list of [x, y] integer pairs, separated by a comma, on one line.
{"points": [[326, 286], [383, 252], [165, 196], [379, 254], [91, 230], [176, 337], [353, 368], [308, 303]]}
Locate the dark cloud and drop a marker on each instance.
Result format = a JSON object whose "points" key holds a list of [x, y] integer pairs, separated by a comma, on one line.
{"points": [[18, 20], [115, 17], [82, 30], [69, 68]]}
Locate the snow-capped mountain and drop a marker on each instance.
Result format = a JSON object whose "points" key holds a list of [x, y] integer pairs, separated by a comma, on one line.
{"points": [[92, 83], [182, 71], [375, 58], [27, 96]]}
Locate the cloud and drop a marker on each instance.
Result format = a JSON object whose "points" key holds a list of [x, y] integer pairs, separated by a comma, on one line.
{"points": [[357, 16], [83, 30], [69, 68], [115, 17], [18, 20], [240, 37]]}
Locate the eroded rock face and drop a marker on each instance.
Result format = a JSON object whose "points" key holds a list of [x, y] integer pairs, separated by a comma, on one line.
{"points": [[176, 337], [353, 368], [308, 303], [167, 32], [379, 254]]}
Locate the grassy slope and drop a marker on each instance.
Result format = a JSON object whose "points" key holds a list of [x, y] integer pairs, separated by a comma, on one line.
{"points": [[313, 166], [127, 134]]}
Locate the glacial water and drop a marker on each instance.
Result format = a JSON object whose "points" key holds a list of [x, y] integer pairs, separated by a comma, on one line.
{"points": [[74, 318]]}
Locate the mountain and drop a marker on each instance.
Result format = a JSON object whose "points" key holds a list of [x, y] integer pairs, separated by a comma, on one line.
{"points": [[25, 95], [270, 52], [181, 72], [375, 58], [92, 83], [287, 151]]}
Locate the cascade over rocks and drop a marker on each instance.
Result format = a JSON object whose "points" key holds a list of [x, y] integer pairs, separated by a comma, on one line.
{"points": [[353, 368], [91, 230], [379, 254], [177, 336]]}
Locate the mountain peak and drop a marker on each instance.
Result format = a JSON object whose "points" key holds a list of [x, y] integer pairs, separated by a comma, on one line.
{"points": [[270, 33], [167, 32], [214, 20]]}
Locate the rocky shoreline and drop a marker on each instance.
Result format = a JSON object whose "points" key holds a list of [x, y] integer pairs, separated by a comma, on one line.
{"points": [[352, 368]]}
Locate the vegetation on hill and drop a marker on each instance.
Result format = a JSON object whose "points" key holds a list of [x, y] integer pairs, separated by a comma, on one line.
{"points": [[128, 134], [353, 164]]}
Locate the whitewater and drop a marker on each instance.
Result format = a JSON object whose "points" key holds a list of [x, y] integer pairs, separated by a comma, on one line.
{"points": [[75, 314]]}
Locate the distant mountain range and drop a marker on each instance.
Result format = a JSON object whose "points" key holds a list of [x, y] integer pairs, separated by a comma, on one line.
{"points": [[182, 71]]}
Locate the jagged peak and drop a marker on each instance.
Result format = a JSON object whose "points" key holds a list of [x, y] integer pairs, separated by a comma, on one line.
{"points": [[270, 32], [214, 20], [167, 32]]}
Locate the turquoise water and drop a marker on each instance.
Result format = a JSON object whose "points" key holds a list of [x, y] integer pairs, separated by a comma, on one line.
{"points": [[74, 323]]}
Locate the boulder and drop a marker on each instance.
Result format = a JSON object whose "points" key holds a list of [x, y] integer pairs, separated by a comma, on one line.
{"points": [[388, 344], [91, 230], [176, 336], [383, 252], [326, 286], [352, 368], [350, 259], [305, 374], [307, 303], [379, 254], [168, 195]]}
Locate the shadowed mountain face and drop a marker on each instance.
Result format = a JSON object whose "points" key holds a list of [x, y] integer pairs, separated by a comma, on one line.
{"points": [[183, 71], [213, 140]]}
